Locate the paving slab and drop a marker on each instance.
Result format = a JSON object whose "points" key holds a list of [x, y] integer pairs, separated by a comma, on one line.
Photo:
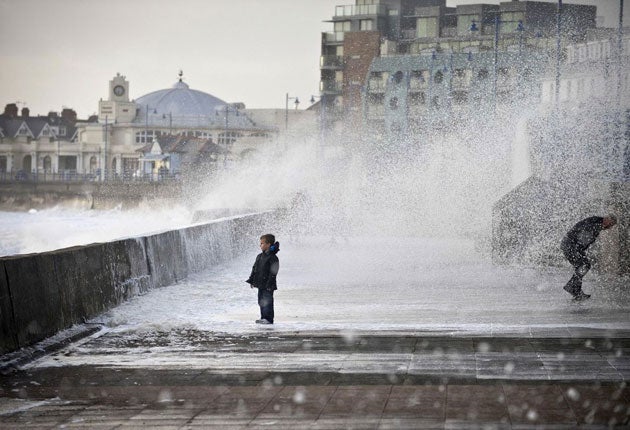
{"points": [[323, 381]]}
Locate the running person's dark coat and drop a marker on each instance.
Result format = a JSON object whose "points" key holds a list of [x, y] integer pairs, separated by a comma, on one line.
{"points": [[574, 246]]}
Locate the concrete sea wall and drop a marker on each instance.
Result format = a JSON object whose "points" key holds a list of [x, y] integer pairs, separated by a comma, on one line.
{"points": [[41, 294]]}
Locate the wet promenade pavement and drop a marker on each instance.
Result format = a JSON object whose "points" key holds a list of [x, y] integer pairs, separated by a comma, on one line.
{"points": [[185, 379]]}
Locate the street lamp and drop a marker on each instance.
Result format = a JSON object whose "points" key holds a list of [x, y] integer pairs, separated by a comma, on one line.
{"points": [[286, 109], [619, 53], [520, 28], [146, 123], [170, 122], [226, 134], [146, 130], [431, 78]]}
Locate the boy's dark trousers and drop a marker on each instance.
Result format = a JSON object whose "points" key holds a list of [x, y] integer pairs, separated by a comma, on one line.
{"points": [[579, 260], [265, 301]]}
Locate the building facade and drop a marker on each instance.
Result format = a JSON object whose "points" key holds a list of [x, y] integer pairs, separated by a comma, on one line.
{"points": [[185, 124], [127, 126], [37, 145], [401, 65]]}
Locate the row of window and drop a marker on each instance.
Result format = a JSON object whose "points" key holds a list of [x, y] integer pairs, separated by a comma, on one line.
{"points": [[421, 78], [47, 131], [429, 26], [584, 88], [147, 136], [594, 51]]}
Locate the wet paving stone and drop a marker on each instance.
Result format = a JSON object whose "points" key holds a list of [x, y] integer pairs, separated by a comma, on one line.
{"points": [[336, 381]]}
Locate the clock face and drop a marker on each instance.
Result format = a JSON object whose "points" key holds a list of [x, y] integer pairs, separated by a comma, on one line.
{"points": [[119, 90]]}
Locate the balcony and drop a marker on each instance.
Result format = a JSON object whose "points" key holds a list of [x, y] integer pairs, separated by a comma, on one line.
{"points": [[333, 37], [376, 86], [409, 34], [331, 87], [355, 10], [331, 62], [417, 84], [375, 111]]}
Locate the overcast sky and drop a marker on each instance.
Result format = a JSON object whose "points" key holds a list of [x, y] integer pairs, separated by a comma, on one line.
{"points": [[62, 53]]}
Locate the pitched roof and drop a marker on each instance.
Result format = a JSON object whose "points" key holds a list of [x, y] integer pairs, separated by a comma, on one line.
{"points": [[182, 144], [11, 125], [36, 125]]}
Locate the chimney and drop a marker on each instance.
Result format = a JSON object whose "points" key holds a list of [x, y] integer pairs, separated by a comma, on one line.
{"points": [[69, 116], [11, 110], [25, 112]]}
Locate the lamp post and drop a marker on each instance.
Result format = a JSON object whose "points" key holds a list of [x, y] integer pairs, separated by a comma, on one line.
{"points": [[170, 122], [286, 109], [104, 166], [146, 131], [226, 134], [619, 53], [430, 98], [520, 28]]}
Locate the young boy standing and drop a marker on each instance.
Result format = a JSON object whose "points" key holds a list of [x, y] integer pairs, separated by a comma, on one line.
{"points": [[263, 276]]}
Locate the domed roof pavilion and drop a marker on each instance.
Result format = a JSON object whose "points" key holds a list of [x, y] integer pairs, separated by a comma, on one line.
{"points": [[180, 106]]}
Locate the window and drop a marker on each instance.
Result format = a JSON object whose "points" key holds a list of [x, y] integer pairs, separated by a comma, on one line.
{"points": [[146, 136], [419, 75], [341, 26], [417, 99], [93, 164], [47, 164], [366, 24], [509, 21], [438, 77], [228, 137], [460, 97], [464, 22], [427, 27], [376, 99]]}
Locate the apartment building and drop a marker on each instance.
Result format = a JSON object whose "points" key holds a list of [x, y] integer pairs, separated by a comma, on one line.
{"points": [[400, 65]]}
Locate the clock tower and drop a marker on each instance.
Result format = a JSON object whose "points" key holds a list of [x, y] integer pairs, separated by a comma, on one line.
{"points": [[117, 108], [119, 89]]}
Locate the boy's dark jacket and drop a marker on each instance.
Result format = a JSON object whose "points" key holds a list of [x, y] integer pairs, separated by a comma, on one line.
{"points": [[265, 269]]}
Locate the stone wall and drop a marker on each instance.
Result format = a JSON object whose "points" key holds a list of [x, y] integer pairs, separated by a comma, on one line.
{"points": [[41, 294]]}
